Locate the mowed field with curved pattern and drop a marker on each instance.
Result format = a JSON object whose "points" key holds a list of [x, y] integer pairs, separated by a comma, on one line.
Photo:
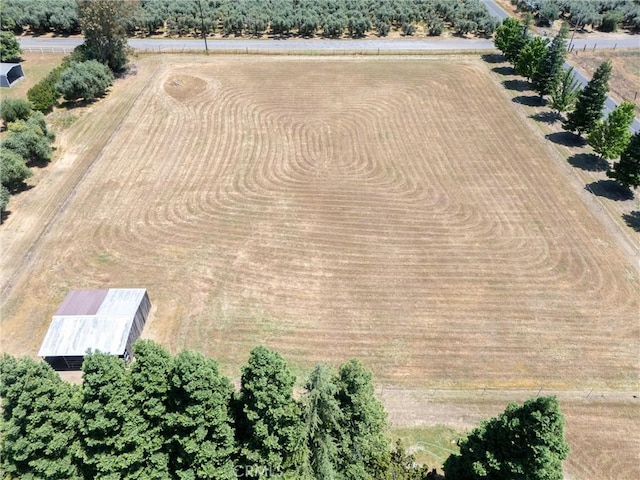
{"points": [[400, 210]]}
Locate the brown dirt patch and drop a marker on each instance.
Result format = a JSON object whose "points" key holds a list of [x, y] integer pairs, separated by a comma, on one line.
{"points": [[400, 210], [183, 87]]}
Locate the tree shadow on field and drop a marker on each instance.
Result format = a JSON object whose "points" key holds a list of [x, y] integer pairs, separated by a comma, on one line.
{"points": [[567, 139], [504, 71], [632, 219], [493, 58], [4, 214], [589, 162], [609, 189], [517, 85], [528, 100], [545, 117]]}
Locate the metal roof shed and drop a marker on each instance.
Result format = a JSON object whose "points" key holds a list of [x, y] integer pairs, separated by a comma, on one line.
{"points": [[106, 320], [10, 73]]}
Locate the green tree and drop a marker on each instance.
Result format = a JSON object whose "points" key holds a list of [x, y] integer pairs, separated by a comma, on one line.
{"points": [[403, 466], [282, 17], [531, 56], [198, 420], [10, 50], [364, 447], [322, 424], [268, 419], [12, 109], [13, 169], [510, 38], [611, 136], [150, 377], [548, 73], [28, 141], [40, 421], [43, 95], [103, 24], [565, 92], [627, 171], [109, 427], [87, 80], [524, 443], [590, 102]]}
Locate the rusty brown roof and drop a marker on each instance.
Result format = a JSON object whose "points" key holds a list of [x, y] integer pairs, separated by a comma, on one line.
{"points": [[82, 302]]}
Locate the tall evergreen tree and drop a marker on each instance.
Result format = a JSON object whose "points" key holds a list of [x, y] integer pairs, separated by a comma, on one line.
{"points": [[364, 448], [198, 420], [109, 420], [627, 171], [268, 419], [548, 74], [565, 92], [590, 103], [323, 420], [40, 422], [150, 375], [611, 136], [524, 443]]}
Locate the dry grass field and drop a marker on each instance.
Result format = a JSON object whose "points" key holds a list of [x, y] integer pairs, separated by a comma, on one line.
{"points": [[400, 210], [625, 75]]}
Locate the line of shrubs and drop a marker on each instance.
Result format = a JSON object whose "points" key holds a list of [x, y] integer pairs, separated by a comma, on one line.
{"points": [[28, 142]]}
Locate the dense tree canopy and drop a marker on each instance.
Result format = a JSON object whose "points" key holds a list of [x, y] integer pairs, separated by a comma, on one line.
{"points": [[103, 26], [10, 50], [12, 109], [627, 171], [603, 14], [529, 59], [511, 37], [28, 140], [268, 419], [84, 80], [250, 17], [547, 75], [172, 417], [201, 440], [590, 103], [611, 136], [13, 169], [524, 443], [565, 92], [40, 420]]}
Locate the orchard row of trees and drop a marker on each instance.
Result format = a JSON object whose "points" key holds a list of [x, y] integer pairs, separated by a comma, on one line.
{"points": [[165, 416], [330, 18], [27, 143], [607, 15], [542, 63]]}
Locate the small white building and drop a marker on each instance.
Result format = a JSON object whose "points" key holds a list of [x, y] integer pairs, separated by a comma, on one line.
{"points": [[88, 320]]}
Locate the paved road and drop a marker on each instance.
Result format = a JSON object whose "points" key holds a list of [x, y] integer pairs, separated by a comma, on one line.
{"points": [[61, 44]]}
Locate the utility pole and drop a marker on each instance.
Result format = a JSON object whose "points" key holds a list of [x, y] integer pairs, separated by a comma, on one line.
{"points": [[573, 34], [204, 35]]}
